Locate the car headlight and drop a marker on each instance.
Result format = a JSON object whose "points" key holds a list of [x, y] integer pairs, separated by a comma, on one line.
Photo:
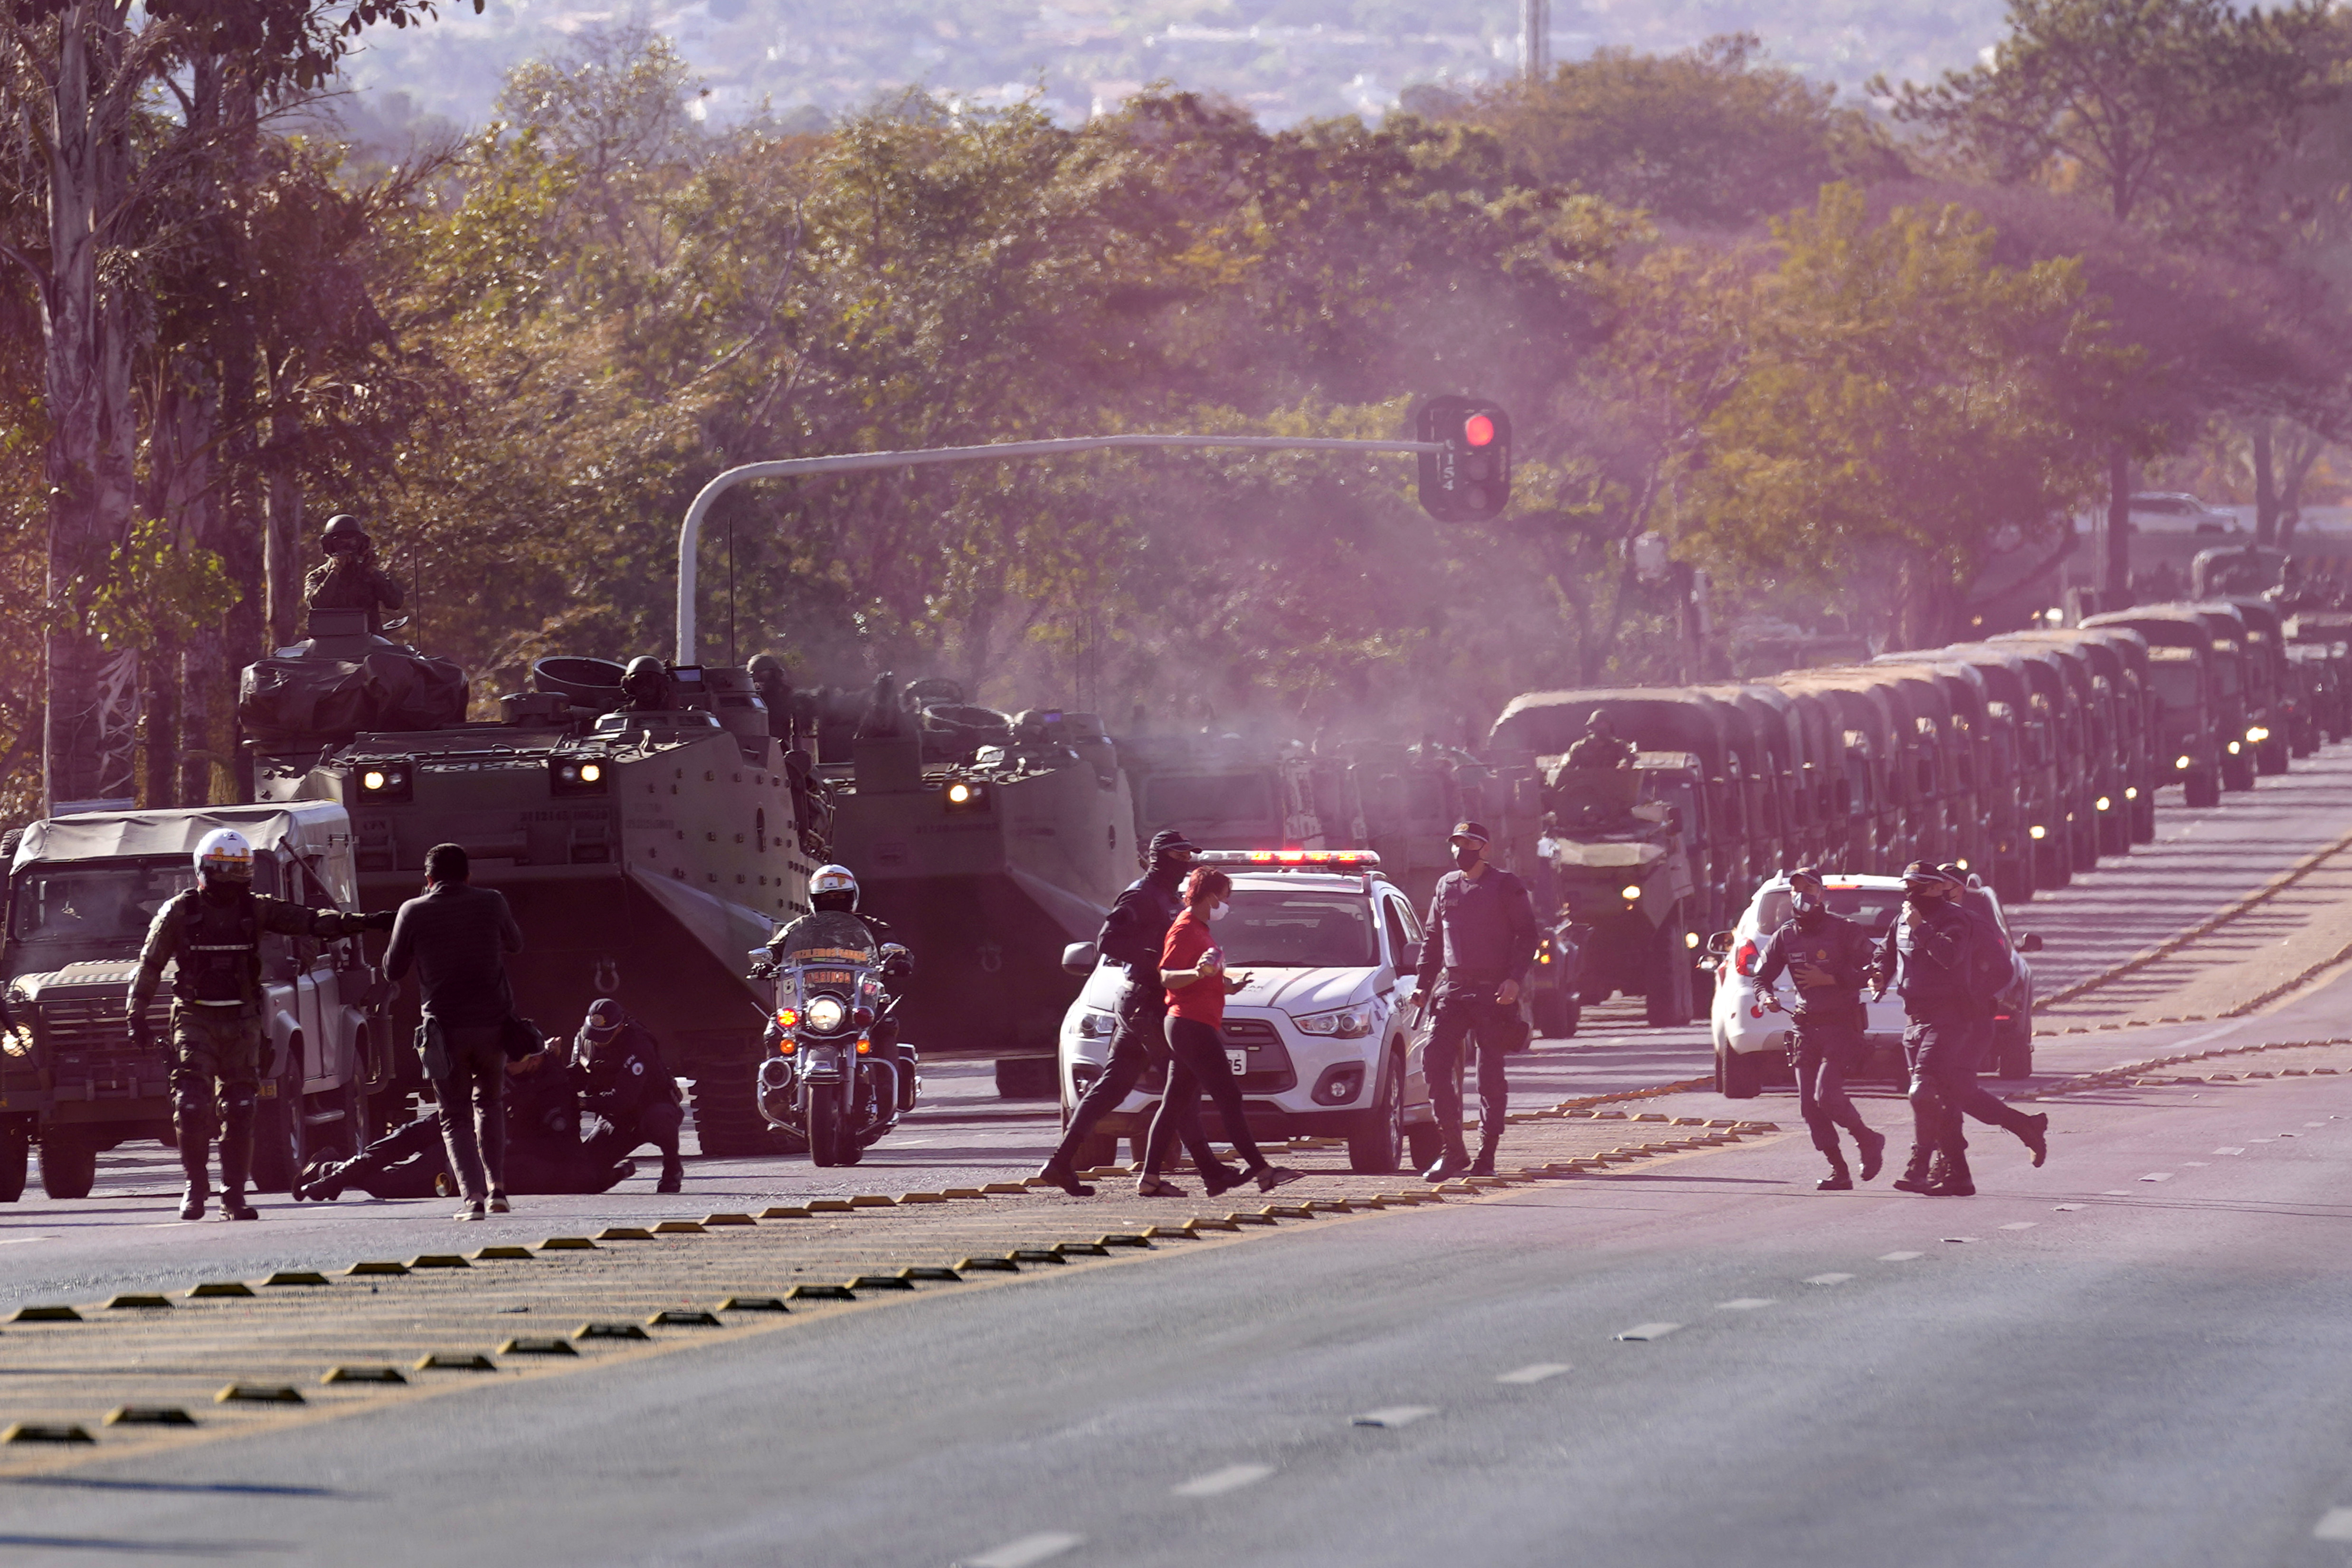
{"points": [[1340, 1023], [1097, 1026], [827, 1013]]}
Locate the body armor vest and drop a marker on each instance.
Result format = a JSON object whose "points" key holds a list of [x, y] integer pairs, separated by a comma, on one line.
{"points": [[220, 953]]}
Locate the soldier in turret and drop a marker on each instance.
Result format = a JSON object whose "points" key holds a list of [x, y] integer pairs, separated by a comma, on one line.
{"points": [[1600, 747], [350, 579]]}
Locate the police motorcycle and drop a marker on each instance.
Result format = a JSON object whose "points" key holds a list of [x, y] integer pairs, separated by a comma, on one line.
{"points": [[834, 1077]]}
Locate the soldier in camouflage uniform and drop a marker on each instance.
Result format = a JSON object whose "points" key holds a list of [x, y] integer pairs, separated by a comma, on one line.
{"points": [[220, 1047], [350, 580]]}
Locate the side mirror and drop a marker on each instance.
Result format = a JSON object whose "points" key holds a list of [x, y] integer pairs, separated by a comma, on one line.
{"points": [[2030, 942], [1719, 943], [1079, 958]]}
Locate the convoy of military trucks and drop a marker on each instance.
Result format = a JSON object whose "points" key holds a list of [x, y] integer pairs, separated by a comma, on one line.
{"points": [[649, 835]]}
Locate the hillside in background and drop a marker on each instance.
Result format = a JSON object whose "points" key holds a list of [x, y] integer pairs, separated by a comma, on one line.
{"points": [[1286, 59]]}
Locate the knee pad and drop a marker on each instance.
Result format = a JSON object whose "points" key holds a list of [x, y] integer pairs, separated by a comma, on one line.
{"points": [[193, 1117], [236, 1111]]}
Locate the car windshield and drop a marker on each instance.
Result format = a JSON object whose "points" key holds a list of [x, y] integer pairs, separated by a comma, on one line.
{"points": [[1186, 800], [93, 903], [1873, 908], [1277, 928]]}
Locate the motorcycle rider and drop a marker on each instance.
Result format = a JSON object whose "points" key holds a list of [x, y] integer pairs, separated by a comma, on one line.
{"points": [[832, 894], [221, 1049], [1132, 938], [350, 579], [1828, 957], [622, 1079]]}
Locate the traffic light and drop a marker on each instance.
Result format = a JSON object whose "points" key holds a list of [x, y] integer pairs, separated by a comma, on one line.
{"points": [[1470, 480]]}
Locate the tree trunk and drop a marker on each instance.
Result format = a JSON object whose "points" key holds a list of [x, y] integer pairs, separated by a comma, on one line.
{"points": [[281, 565], [2266, 501], [162, 729], [2117, 586], [201, 744], [92, 426]]}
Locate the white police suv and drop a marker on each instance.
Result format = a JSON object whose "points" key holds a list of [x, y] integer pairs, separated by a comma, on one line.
{"points": [[1749, 1037], [1322, 1037]]}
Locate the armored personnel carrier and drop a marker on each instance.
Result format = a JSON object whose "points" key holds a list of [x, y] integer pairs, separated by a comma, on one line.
{"points": [[647, 841], [989, 842]]}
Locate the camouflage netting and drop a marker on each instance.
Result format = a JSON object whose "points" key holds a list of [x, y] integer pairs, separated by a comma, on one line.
{"points": [[323, 700]]}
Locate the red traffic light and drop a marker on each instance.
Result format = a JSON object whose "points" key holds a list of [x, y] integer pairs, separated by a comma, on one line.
{"points": [[1478, 430]]}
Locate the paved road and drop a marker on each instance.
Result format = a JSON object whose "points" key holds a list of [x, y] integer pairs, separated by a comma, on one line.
{"points": [[2128, 1356]]}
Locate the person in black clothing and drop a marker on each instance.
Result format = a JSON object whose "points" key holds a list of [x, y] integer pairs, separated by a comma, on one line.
{"points": [[1928, 956], [622, 1079], [1482, 940], [834, 895], [1132, 938], [1828, 957], [457, 936], [1976, 1101]]}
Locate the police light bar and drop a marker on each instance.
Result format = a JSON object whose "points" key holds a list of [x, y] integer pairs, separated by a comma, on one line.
{"points": [[1290, 860]]}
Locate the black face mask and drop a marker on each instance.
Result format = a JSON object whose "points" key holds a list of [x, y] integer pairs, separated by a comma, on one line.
{"points": [[221, 891], [1809, 910], [1922, 899], [1467, 856]]}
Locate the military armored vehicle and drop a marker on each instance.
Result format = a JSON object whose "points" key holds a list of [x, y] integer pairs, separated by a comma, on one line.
{"points": [[1230, 791], [1625, 876], [82, 891], [645, 841], [989, 842]]}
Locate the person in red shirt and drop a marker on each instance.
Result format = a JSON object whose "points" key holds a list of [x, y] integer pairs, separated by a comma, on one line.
{"points": [[1193, 968]]}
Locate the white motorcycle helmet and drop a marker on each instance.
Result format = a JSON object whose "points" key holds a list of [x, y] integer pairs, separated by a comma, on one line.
{"points": [[225, 855], [833, 880]]}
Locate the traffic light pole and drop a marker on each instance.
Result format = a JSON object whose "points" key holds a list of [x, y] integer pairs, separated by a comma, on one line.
{"points": [[690, 534]]}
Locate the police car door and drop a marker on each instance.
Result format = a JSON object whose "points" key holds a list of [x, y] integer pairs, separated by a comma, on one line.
{"points": [[1402, 934]]}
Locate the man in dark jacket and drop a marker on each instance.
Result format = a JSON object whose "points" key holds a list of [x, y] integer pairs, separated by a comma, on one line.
{"points": [[1928, 956], [622, 1079], [1976, 1101], [1480, 943], [1829, 958], [457, 936], [1132, 938]]}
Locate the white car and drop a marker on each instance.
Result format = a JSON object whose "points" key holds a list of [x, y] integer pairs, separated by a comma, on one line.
{"points": [[1322, 1037], [1749, 1037]]}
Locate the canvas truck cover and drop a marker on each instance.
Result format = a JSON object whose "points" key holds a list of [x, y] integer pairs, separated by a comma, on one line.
{"points": [[305, 827], [311, 700]]}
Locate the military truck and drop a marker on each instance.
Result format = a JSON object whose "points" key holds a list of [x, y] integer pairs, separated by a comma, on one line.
{"points": [[82, 891], [1624, 874], [646, 843], [989, 842], [1230, 791]]}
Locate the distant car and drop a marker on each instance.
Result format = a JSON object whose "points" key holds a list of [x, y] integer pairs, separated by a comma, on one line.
{"points": [[1322, 1039], [1749, 1037], [2182, 506]]}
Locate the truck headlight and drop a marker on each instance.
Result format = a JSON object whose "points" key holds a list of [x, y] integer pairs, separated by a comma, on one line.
{"points": [[2181, 762], [1633, 893], [1340, 1023]]}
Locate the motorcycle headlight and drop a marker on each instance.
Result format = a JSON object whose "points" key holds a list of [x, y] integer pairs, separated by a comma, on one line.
{"points": [[827, 1013], [1340, 1023]]}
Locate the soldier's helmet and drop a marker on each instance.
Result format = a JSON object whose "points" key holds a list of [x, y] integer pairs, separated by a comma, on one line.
{"points": [[1598, 721], [767, 665], [342, 533], [645, 680], [225, 855], [834, 887]]}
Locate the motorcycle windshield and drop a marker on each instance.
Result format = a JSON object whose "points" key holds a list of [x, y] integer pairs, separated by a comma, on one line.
{"points": [[828, 936]]}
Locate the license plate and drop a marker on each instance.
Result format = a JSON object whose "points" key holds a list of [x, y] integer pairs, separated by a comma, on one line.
{"points": [[1240, 1060], [829, 977]]}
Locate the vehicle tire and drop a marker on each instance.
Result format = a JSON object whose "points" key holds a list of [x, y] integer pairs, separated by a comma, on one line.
{"points": [[2114, 832], [1737, 1075], [2143, 817], [828, 1119], [1376, 1141], [2011, 884], [1547, 1006], [277, 1155], [2271, 756], [2202, 788], [15, 1156], [726, 1120], [69, 1165], [1424, 1144], [1667, 1004], [2237, 770], [1028, 1077], [1574, 1019]]}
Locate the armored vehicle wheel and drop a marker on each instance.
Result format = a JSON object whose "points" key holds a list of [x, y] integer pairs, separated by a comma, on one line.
{"points": [[1424, 1144], [2202, 788], [828, 1119], [1667, 1004], [2011, 884], [1737, 1075], [2271, 755], [1377, 1141], [2237, 769], [16, 1153], [276, 1154], [726, 1120], [69, 1165], [2143, 817], [1026, 1077]]}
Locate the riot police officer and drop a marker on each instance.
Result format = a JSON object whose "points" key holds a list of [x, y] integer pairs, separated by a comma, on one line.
{"points": [[220, 1047], [1600, 747], [1928, 956], [350, 580], [1479, 944], [618, 1063], [1829, 958], [1976, 1101]]}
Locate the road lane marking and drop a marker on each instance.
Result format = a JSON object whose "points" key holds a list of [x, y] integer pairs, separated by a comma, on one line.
{"points": [[1535, 1372], [1025, 1552], [2228, 1150], [2116, 1193], [2314, 1124], [1643, 1333], [1744, 1304], [2158, 1176], [17, 1240], [1232, 1478], [2335, 1524], [1899, 1256], [2199, 1164], [1828, 1278], [1395, 1415], [2020, 1225]]}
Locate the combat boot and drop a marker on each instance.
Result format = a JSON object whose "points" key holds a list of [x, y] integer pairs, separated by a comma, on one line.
{"points": [[322, 1183], [1914, 1178], [193, 1160], [1873, 1152], [1053, 1170], [673, 1175], [192, 1202], [1454, 1162], [1839, 1180], [233, 1205], [2035, 1134], [1484, 1165], [1950, 1178]]}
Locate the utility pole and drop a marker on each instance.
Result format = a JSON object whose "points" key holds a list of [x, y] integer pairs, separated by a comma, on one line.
{"points": [[1535, 38]]}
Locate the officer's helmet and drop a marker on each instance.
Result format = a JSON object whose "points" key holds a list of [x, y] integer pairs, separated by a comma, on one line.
{"points": [[834, 887], [343, 534], [225, 855]]}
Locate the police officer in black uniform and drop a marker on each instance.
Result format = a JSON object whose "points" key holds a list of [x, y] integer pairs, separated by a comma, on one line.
{"points": [[832, 894], [1132, 937], [1928, 957], [1829, 958], [1976, 1101], [618, 1065], [1480, 943]]}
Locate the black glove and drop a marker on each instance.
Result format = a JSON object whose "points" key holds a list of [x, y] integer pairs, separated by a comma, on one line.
{"points": [[142, 1036], [383, 920]]}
